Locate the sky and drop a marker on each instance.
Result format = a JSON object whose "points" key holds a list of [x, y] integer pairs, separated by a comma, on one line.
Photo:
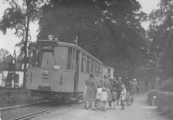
{"points": [[9, 40]]}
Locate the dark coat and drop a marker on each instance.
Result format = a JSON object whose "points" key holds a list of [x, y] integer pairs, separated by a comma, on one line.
{"points": [[91, 89], [108, 87], [118, 86]]}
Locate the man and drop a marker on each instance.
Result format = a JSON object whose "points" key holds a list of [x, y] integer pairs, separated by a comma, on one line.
{"points": [[91, 92], [133, 87], [119, 88]]}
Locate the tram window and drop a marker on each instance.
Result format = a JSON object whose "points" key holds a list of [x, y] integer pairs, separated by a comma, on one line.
{"points": [[61, 56], [92, 67], [109, 70], [69, 63], [88, 64], [73, 61], [83, 63], [48, 60], [32, 58], [95, 70], [39, 58]]}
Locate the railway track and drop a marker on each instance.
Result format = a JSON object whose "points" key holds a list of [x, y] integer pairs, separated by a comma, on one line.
{"points": [[29, 116]]}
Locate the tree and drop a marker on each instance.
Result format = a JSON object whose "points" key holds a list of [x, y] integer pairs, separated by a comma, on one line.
{"points": [[4, 59], [160, 34], [18, 18], [3, 54], [108, 29]]}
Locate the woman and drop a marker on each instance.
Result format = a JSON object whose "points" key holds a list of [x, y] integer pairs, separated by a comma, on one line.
{"points": [[108, 87], [91, 92]]}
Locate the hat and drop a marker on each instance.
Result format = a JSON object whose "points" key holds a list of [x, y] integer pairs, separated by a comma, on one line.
{"points": [[123, 86]]}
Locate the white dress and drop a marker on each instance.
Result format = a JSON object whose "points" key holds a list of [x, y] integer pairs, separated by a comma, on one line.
{"points": [[123, 94], [104, 96], [99, 90]]}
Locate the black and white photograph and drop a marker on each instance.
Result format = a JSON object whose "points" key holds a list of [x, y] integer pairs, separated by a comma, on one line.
{"points": [[86, 59]]}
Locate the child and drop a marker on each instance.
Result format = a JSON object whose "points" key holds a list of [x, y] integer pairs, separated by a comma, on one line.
{"points": [[99, 90], [103, 98], [114, 98], [123, 96], [84, 95]]}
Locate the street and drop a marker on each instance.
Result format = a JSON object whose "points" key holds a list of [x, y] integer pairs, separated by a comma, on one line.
{"points": [[138, 111]]}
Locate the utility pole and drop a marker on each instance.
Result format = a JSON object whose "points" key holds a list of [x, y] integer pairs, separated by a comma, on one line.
{"points": [[14, 67]]}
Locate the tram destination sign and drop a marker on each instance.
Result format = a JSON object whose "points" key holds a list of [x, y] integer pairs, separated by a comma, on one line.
{"points": [[47, 42]]}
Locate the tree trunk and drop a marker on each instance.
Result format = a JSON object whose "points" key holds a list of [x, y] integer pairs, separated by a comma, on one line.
{"points": [[25, 43]]}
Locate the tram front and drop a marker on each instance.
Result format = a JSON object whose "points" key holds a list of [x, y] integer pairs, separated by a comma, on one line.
{"points": [[47, 71]]}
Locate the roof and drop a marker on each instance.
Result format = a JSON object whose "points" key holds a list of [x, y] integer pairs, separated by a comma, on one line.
{"points": [[70, 45]]}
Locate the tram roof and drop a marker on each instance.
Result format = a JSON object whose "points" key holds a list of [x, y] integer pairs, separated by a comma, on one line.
{"points": [[70, 45]]}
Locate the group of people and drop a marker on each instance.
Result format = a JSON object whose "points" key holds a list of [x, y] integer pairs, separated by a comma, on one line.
{"points": [[102, 93]]}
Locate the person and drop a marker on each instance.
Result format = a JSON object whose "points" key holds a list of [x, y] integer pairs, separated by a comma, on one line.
{"points": [[91, 92], [84, 94], [123, 96], [110, 79], [103, 98], [133, 87], [114, 97], [99, 88], [119, 88], [108, 87]]}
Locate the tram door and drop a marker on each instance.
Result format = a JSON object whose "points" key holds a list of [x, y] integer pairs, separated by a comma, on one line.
{"points": [[76, 76]]}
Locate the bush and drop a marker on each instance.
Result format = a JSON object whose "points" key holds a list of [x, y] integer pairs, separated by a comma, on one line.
{"points": [[167, 85], [165, 103], [150, 95]]}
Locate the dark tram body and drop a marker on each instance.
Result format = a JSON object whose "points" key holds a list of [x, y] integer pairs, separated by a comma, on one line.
{"points": [[58, 69]]}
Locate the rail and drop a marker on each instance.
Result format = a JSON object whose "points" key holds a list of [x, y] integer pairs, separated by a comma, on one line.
{"points": [[29, 116]]}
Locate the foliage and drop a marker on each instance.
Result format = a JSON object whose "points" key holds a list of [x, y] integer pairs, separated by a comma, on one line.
{"points": [[160, 33], [165, 103], [5, 63], [150, 95], [19, 17], [15, 17], [3, 54], [17, 97], [167, 85], [108, 29]]}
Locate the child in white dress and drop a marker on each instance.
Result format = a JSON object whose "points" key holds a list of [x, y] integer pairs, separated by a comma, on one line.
{"points": [[99, 90], [123, 96], [103, 98]]}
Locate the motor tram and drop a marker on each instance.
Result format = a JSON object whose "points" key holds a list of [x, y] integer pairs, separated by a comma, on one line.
{"points": [[59, 69]]}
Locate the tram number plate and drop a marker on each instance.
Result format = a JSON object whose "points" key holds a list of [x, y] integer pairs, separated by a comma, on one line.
{"points": [[45, 88]]}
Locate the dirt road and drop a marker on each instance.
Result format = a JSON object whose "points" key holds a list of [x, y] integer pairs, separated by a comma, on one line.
{"points": [[138, 111]]}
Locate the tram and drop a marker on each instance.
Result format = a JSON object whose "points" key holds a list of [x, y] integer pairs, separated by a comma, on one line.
{"points": [[59, 69]]}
